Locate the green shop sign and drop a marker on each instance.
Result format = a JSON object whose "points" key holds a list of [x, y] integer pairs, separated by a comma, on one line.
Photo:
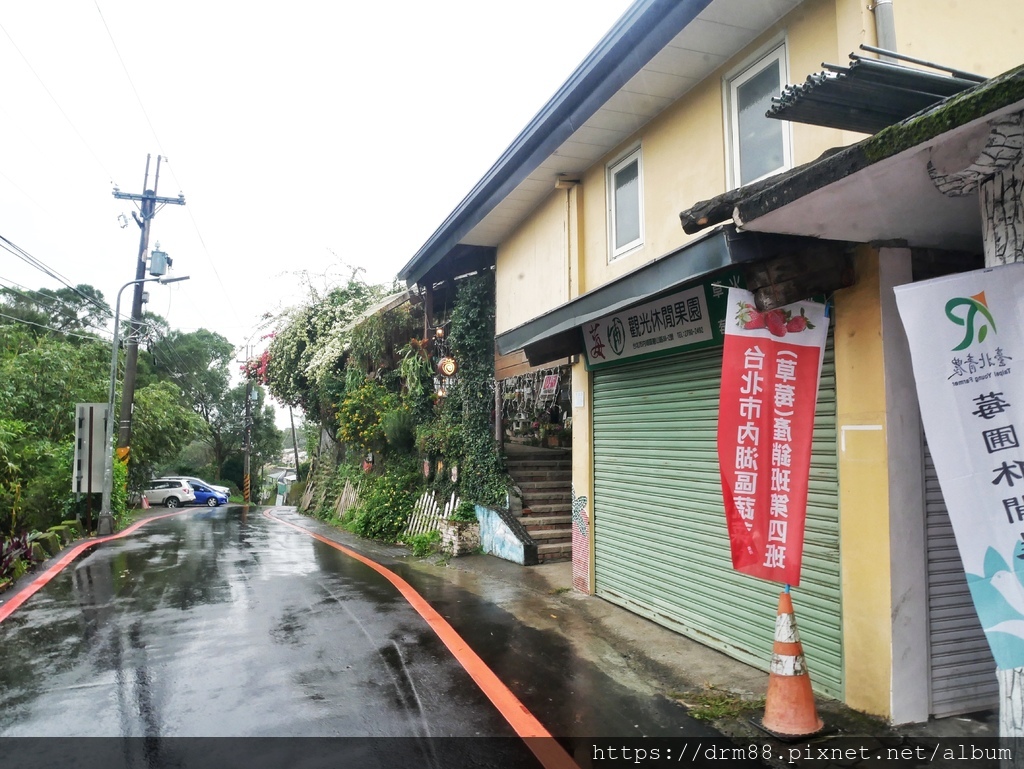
{"points": [[689, 319]]}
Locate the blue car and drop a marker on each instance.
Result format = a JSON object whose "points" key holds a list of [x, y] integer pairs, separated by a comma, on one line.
{"points": [[207, 496]]}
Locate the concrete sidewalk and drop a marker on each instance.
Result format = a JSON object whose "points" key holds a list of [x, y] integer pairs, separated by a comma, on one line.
{"points": [[640, 653]]}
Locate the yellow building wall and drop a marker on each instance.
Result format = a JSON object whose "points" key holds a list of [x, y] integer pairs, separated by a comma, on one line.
{"points": [[684, 148], [863, 490], [532, 274], [981, 38]]}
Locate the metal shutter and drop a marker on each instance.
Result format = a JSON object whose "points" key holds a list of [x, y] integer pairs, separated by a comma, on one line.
{"points": [[962, 670], [661, 544]]}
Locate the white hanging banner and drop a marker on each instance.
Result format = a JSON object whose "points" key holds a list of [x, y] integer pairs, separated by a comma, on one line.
{"points": [[967, 349]]}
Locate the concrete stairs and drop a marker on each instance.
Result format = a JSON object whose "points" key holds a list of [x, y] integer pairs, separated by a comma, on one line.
{"points": [[544, 477]]}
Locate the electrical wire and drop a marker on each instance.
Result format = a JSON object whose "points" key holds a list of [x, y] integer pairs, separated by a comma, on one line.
{"points": [[25, 256], [48, 328], [37, 298]]}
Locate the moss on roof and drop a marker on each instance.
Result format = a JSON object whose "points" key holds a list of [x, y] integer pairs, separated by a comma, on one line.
{"points": [[954, 112]]}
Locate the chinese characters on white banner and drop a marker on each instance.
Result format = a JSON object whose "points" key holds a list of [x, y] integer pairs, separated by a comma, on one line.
{"points": [[771, 367], [965, 334]]}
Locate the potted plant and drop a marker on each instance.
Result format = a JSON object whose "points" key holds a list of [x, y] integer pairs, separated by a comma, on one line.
{"points": [[460, 533]]}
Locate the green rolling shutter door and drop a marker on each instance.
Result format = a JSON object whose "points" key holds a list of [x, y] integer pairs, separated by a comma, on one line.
{"points": [[661, 544]]}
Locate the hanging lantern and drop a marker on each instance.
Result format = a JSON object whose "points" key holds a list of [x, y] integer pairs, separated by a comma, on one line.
{"points": [[447, 366]]}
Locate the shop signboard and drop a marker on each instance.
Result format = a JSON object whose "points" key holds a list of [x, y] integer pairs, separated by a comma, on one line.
{"points": [[771, 368], [685, 320], [966, 347]]}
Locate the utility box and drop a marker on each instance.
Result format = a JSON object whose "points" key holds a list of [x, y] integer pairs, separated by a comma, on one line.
{"points": [[90, 434]]}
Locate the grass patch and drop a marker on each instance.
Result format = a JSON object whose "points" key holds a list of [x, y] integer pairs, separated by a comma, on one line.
{"points": [[712, 703], [559, 590]]}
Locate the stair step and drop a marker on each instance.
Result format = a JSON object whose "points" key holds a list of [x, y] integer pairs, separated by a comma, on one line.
{"points": [[526, 486], [555, 547], [550, 536], [555, 464], [536, 510], [533, 501], [542, 476]]}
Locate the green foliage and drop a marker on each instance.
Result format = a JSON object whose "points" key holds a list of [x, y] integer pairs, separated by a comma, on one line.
{"points": [[119, 495], [41, 380], [162, 427], [306, 359], [415, 367], [469, 407], [423, 544], [465, 512], [360, 416], [385, 502], [399, 430]]}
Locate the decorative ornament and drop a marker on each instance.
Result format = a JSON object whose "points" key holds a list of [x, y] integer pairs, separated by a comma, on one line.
{"points": [[447, 366]]}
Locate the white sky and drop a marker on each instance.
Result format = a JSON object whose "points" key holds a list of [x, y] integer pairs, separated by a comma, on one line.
{"points": [[304, 136]]}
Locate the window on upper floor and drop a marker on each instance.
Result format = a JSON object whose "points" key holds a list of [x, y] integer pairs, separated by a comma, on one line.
{"points": [[625, 205], [758, 146]]}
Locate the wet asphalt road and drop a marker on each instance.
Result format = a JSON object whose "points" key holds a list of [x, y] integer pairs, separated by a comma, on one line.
{"points": [[219, 623]]}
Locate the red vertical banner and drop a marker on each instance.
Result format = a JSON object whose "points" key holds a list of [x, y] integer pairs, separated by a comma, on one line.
{"points": [[771, 367]]}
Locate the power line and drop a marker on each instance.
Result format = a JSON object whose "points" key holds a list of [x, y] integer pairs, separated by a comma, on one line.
{"points": [[128, 75], [37, 298], [25, 256], [50, 328]]}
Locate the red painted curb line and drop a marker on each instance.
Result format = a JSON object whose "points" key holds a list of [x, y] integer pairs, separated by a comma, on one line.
{"points": [[526, 725], [67, 556]]}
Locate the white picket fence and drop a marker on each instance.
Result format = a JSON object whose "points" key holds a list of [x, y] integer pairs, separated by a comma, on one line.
{"points": [[427, 514]]}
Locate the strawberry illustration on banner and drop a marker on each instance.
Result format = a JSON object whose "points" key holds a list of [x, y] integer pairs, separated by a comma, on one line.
{"points": [[771, 367]]}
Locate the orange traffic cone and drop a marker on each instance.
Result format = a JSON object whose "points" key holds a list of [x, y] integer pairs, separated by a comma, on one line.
{"points": [[789, 711], [145, 502]]}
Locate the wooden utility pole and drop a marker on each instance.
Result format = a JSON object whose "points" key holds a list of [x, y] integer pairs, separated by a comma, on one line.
{"points": [[148, 206], [246, 482]]}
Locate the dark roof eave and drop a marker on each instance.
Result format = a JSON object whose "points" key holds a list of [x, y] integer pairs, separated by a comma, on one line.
{"points": [[717, 250], [641, 33], [998, 93]]}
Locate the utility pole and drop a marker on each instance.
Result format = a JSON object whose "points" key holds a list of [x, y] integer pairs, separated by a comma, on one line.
{"points": [[295, 443], [248, 438], [148, 202]]}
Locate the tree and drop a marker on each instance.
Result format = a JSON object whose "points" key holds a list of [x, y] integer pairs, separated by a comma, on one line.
{"points": [[198, 362], [64, 311], [161, 428], [41, 380], [307, 355]]}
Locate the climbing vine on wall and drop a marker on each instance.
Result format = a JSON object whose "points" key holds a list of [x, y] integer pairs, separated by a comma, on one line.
{"points": [[470, 404]]}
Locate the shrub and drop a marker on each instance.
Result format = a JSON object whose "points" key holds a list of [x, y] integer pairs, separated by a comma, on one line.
{"points": [[423, 544], [465, 512], [360, 416], [385, 502]]}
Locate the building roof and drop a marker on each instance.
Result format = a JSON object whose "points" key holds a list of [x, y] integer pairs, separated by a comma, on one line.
{"points": [[653, 55]]}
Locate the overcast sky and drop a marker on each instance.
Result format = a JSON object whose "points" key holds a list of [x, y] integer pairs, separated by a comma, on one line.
{"points": [[307, 137]]}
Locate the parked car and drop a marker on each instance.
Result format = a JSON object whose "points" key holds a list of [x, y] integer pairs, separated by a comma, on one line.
{"points": [[170, 492], [222, 489], [207, 495]]}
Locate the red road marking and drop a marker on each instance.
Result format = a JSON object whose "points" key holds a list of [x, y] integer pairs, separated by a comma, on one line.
{"points": [[67, 556], [526, 725]]}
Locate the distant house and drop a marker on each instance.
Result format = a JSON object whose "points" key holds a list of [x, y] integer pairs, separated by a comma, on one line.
{"points": [[580, 220]]}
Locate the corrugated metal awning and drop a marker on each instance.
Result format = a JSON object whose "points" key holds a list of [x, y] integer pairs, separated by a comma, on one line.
{"points": [[868, 95]]}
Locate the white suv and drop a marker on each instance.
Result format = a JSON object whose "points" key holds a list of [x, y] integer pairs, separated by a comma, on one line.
{"points": [[222, 489], [170, 493]]}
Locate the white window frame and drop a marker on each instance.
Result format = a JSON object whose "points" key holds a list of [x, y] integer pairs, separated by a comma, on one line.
{"points": [[613, 168], [750, 68]]}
